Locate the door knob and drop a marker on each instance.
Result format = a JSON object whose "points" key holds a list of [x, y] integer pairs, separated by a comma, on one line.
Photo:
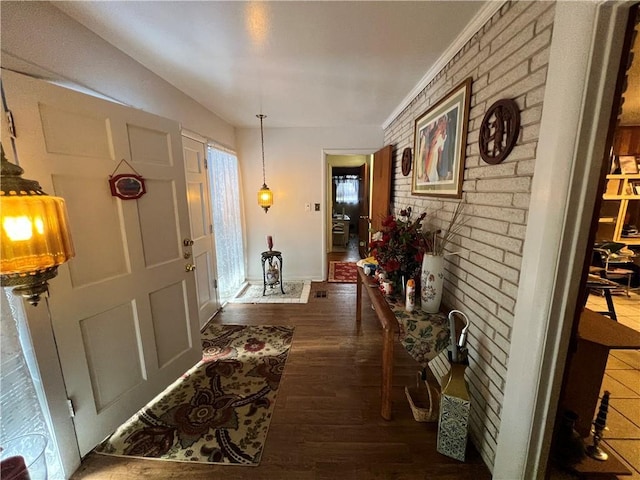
{"points": [[189, 267], [187, 255], [187, 242]]}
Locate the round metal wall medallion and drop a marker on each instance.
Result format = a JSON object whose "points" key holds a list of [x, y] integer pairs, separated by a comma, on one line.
{"points": [[499, 131]]}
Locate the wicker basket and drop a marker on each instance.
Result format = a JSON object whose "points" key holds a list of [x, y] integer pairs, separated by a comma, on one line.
{"points": [[424, 400]]}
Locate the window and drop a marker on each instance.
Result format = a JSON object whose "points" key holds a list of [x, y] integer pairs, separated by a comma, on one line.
{"points": [[227, 221], [346, 189], [22, 401]]}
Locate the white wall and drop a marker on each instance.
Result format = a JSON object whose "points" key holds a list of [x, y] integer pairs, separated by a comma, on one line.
{"points": [[583, 65], [506, 58], [40, 40], [295, 172]]}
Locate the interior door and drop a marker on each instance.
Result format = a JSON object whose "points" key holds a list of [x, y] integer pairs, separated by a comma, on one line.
{"points": [[124, 310], [374, 207], [203, 252], [380, 186], [364, 222]]}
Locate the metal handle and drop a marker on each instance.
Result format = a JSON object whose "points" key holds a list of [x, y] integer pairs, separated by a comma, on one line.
{"points": [[364, 217], [189, 267], [187, 242], [187, 255]]}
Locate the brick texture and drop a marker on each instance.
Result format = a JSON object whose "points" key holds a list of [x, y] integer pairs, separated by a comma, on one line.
{"points": [[506, 58]]}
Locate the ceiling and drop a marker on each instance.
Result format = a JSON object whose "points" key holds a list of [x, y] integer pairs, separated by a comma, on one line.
{"points": [[302, 63]]}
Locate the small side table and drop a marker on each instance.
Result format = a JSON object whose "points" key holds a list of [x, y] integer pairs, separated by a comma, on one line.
{"points": [[269, 257]]}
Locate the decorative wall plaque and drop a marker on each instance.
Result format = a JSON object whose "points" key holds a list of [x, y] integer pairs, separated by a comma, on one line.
{"points": [[127, 186], [406, 161], [499, 131]]}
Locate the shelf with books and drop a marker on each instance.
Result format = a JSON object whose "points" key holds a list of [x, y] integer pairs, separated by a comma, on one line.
{"points": [[620, 210], [622, 186]]}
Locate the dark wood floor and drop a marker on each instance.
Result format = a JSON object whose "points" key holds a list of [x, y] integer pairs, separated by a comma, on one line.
{"points": [[326, 423]]}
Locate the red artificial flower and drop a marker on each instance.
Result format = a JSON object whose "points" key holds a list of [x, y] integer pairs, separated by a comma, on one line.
{"points": [[399, 246]]}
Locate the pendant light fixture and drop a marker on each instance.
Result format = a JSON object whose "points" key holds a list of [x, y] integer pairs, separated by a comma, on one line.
{"points": [[34, 234], [265, 196]]}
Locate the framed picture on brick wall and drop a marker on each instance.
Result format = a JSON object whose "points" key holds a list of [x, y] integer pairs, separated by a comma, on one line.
{"points": [[440, 141]]}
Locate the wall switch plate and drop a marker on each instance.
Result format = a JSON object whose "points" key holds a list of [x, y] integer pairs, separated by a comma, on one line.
{"points": [[317, 207], [307, 207]]}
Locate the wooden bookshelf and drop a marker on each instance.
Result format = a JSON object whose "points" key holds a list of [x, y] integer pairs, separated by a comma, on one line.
{"points": [[621, 196]]}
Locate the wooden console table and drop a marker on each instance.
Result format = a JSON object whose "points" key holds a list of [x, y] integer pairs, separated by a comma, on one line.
{"points": [[390, 315], [389, 330], [597, 335]]}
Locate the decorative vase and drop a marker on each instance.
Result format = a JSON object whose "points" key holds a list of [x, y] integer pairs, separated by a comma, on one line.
{"points": [[431, 282], [273, 274], [386, 287], [454, 414]]}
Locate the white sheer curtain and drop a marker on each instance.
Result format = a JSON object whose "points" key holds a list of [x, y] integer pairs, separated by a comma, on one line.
{"points": [[346, 189], [227, 221], [22, 399]]}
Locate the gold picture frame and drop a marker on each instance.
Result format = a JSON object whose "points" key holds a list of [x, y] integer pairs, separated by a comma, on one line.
{"points": [[440, 142]]}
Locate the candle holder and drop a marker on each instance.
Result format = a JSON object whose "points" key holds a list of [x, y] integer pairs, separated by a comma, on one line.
{"points": [[599, 424]]}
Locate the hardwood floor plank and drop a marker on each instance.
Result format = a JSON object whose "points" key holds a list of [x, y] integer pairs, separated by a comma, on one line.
{"points": [[326, 423]]}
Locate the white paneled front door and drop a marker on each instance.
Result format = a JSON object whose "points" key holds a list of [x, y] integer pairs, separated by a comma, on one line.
{"points": [[124, 310], [201, 230]]}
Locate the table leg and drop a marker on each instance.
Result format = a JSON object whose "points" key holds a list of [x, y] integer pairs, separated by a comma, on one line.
{"points": [[387, 373], [358, 300], [612, 310], [281, 280], [264, 278], [582, 389]]}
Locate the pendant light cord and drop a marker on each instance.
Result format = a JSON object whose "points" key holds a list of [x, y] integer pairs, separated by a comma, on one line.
{"points": [[260, 116]]}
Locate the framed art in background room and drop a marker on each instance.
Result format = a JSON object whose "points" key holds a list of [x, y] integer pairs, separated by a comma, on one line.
{"points": [[440, 141]]}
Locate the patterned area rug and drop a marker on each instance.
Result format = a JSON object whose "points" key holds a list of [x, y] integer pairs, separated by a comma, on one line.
{"points": [[220, 410], [294, 292], [343, 272]]}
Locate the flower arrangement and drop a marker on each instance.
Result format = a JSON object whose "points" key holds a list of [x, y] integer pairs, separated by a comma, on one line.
{"points": [[400, 245]]}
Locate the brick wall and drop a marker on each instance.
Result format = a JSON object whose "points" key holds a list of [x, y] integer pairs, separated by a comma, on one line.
{"points": [[507, 58]]}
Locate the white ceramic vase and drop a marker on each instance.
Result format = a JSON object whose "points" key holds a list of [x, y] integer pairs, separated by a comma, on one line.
{"points": [[431, 282]]}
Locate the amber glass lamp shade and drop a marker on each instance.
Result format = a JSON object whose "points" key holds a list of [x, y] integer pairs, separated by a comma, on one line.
{"points": [[34, 234], [265, 197]]}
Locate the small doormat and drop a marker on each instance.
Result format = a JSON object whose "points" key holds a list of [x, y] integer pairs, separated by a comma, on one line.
{"points": [[294, 292], [343, 272], [220, 410]]}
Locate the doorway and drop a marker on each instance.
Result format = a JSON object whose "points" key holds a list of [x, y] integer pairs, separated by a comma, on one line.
{"points": [[613, 259], [347, 200], [347, 182], [374, 193], [596, 156]]}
